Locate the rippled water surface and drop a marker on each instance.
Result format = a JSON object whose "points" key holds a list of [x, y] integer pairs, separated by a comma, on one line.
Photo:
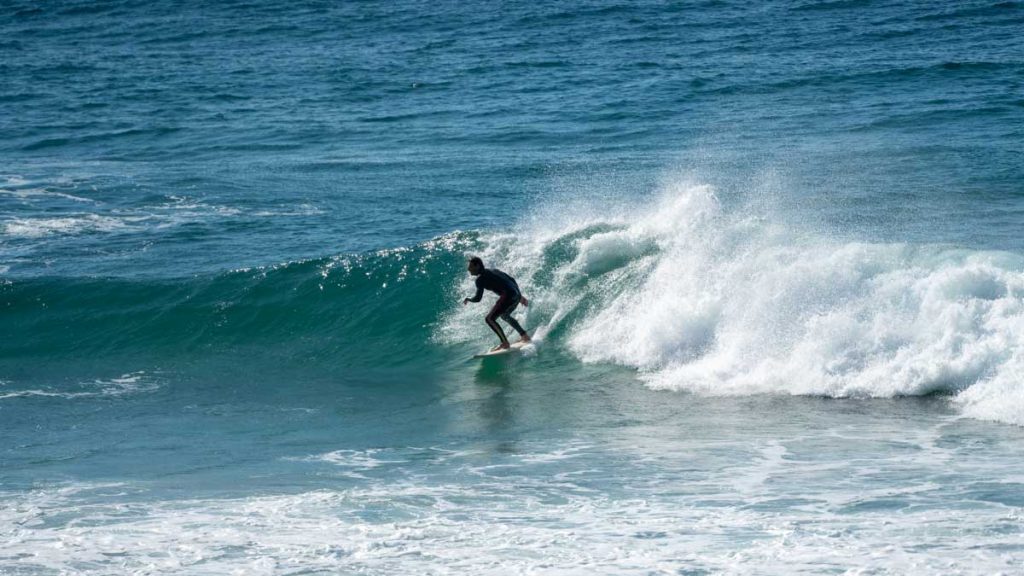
{"points": [[773, 255]]}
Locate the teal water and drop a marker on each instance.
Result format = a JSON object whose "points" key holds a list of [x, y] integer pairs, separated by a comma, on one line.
{"points": [[773, 255]]}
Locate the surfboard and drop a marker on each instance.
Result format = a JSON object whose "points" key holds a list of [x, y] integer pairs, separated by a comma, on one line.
{"points": [[514, 348]]}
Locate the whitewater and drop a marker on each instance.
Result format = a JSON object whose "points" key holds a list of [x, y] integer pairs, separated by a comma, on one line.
{"points": [[707, 301]]}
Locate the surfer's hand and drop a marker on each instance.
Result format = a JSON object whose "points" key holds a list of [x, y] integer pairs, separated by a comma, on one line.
{"points": [[465, 301], [524, 301]]}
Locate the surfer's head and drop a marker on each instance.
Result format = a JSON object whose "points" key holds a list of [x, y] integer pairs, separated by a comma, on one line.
{"points": [[476, 266]]}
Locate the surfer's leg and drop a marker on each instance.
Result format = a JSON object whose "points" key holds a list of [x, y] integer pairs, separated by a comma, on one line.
{"points": [[523, 336], [492, 321], [506, 315]]}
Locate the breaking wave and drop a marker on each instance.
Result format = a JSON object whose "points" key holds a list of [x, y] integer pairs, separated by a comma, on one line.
{"points": [[693, 296], [712, 301]]}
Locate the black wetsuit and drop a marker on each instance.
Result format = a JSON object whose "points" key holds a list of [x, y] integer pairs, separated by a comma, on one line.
{"points": [[508, 298]]}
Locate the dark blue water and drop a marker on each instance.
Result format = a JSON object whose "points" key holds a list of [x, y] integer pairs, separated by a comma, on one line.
{"points": [[773, 253], [254, 133]]}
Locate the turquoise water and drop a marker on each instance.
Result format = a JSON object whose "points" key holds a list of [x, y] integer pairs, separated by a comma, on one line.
{"points": [[772, 251]]}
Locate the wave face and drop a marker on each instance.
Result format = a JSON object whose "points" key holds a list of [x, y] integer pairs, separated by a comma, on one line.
{"points": [[346, 309], [729, 302]]}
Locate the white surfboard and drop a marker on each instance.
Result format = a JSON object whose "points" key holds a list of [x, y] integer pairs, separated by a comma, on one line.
{"points": [[514, 348]]}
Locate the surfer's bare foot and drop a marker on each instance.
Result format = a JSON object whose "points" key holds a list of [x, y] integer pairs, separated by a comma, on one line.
{"points": [[525, 338], [504, 346]]}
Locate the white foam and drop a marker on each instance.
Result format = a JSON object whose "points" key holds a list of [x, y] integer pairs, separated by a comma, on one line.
{"points": [[742, 518], [303, 209], [13, 180], [700, 299], [77, 224], [31, 193], [999, 398], [179, 210], [131, 383], [355, 462]]}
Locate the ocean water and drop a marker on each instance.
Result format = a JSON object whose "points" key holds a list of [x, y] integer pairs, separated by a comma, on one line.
{"points": [[773, 252]]}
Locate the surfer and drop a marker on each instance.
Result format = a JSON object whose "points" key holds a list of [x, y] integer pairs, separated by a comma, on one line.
{"points": [[509, 297]]}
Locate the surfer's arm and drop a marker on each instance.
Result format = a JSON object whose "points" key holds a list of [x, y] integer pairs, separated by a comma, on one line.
{"points": [[477, 298]]}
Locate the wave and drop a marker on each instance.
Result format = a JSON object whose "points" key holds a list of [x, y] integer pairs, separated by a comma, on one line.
{"points": [[693, 296], [698, 298], [99, 137], [936, 72]]}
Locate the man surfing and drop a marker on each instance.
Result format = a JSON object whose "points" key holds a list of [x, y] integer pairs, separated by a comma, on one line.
{"points": [[509, 297]]}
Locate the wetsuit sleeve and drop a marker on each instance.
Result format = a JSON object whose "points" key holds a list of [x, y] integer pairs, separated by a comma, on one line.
{"points": [[479, 292]]}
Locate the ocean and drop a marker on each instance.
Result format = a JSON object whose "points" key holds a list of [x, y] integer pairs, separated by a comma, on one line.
{"points": [[773, 254]]}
